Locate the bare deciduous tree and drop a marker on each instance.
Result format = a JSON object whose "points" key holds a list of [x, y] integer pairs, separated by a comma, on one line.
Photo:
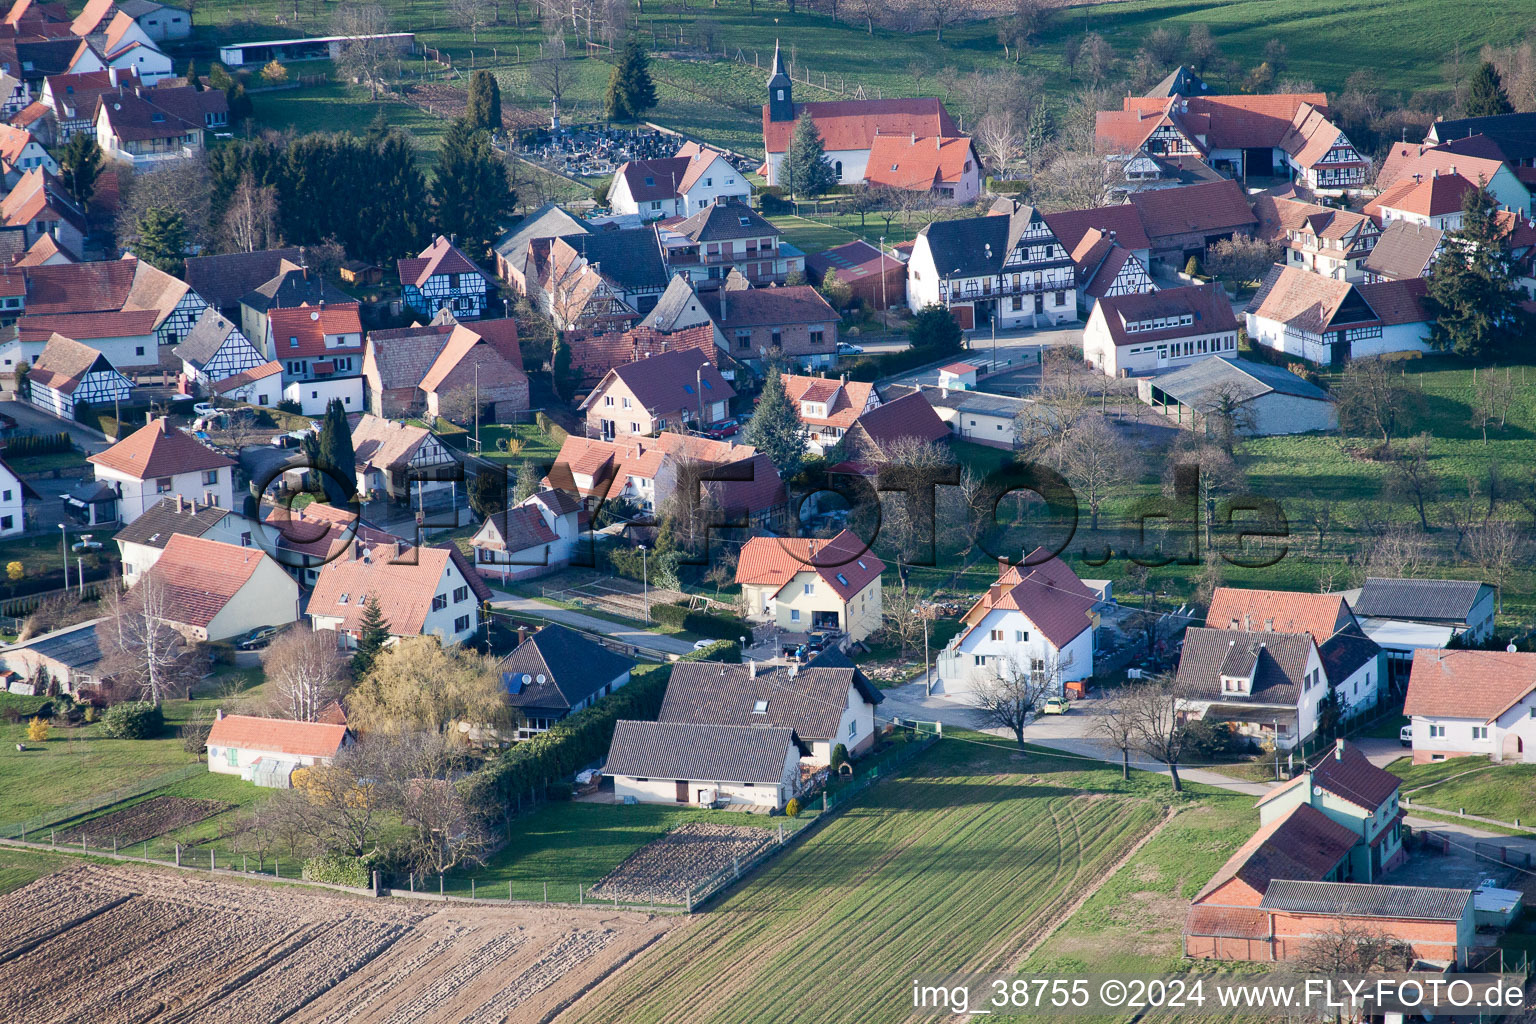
{"points": [[1097, 461], [250, 223], [1497, 547], [1012, 688], [1413, 479], [1116, 725], [1153, 707], [472, 15], [306, 672], [141, 650], [1354, 948], [364, 56], [1371, 397]]}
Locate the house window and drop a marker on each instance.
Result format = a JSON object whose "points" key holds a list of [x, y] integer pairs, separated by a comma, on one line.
{"points": [[461, 623], [818, 336], [853, 729], [232, 757], [138, 350], [743, 340], [778, 338], [1061, 298], [810, 588], [439, 602], [1021, 635], [608, 400], [1437, 732], [211, 476], [997, 634], [794, 615], [459, 594], [1479, 732], [6, 522], [760, 707], [163, 485]]}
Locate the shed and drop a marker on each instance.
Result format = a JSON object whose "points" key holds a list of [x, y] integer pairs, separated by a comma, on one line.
{"points": [[271, 773], [1265, 400], [687, 763]]}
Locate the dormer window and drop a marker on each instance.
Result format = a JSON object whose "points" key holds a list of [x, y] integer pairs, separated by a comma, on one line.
{"points": [[1236, 684], [293, 341], [650, 181]]}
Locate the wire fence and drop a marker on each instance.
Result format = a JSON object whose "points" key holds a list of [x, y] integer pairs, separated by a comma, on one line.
{"points": [[40, 825]]}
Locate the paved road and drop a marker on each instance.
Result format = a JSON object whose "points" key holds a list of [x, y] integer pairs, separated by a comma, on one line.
{"points": [[29, 417], [1016, 348], [624, 634], [1073, 734]]}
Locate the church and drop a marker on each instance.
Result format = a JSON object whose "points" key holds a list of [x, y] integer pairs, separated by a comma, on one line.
{"points": [[848, 128]]}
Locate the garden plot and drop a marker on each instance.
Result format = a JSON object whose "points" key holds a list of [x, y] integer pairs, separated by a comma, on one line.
{"points": [[614, 595], [664, 870], [160, 948], [142, 821]]}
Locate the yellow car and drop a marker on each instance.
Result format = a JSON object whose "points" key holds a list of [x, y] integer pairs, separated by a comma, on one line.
{"points": [[1056, 706]]}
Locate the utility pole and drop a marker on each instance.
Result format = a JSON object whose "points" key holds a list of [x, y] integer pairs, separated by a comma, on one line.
{"points": [[885, 298], [477, 409], [927, 672], [645, 582], [64, 550]]}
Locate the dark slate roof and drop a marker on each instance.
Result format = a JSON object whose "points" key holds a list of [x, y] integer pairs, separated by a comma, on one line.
{"points": [[548, 221], [811, 702], [707, 753], [160, 522], [1349, 774], [720, 222], [630, 257], [205, 338], [1182, 81], [574, 667], [291, 288], [1353, 899], [1515, 134], [1346, 652], [222, 280], [1278, 662], [1404, 250], [1202, 383], [1419, 600], [405, 354], [76, 646], [679, 298], [971, 247]]}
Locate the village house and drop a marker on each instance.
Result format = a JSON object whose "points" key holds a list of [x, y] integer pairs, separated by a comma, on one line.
{"points": [[1333, 243], [1256, 399], [141, 543], [1288, 887], [304, 539], [67, 657], [393, 456], [215, 350], [848, 128], [802, 583], [605, 280], [442, 277], [68, 374], [41, 208], [1353, 665], [1009, 268], [976, 416], [1121, 224], [679, 310], [676, 186], [1407, 164], [261, 386], [704, 765], [1185, 222], [321, 349], [1038, 619], [557, 672], [948, 167], [290, 286], [1433, 202], [826, 705], [213, 591], [146, 127], [594, 355], [14, 492], [158, 21], [158, 460], [1404, 250], [1263, 685], [514, 250], [644, 472], [877, 281], [1320, 156], [827, 406], [1141, 333], [266, 751], [476, 376], [1106, 269], [681, 389], [120, 43], [1353, 792], [1464, 703], [1404, 615], [20, 152], [794, 321], [66, 104], [888, 433], [45, 252], [1330, 322], [531, 538], [224, 279], [421, 591], [728, 235]]}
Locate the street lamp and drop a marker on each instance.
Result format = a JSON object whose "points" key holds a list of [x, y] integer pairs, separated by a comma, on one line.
{"points": [[64, 550], [885, 299], [645, 582]]}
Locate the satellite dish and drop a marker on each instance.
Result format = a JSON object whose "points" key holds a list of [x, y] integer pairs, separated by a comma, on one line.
{"points": [[527, 678], [314, 316], [1317, 790], [542, 678], [1510, 649]]}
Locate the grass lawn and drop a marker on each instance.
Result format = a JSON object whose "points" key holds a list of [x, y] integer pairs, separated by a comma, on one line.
{"points": [[958, 863], [809, 236], [536, 445], [571, 843], [20, 867], [1503, 791], [30, 464]]}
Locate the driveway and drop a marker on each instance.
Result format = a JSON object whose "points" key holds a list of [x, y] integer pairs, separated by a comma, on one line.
{"points": [[29, 417], [635, 637]]}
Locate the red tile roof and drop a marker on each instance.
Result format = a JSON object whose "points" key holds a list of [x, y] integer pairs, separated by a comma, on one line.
{"points": [[1406, 159], [846, 399], [245, 377], [1305, 844], [278, 735], [1210, 208], [441, 257], [1233, 122], [853, 124], [201, 576], [1434, 196], [915, 162], [63, 364], [1047, 591], [159, 450], [1278, 611], [909, 416], [130, 323], [769, 307], [595, 354], [310, 325], [1207, 303], [654, 179], [1349, 775], [1298, 297], [1397, 302], [402, 581], [844, 562], [1479, 685], [668, 383], [1122, 223]]}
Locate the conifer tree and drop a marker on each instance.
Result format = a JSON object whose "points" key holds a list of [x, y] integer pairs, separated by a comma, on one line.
{"points": [[806, 171], [484, 110], [560, 368], [472, 190], [527, 481], [775, 429], [79, 163], [192, 78], [162, 239], [337, 457], [630, 89], [1485, 93], [1473, 294], [372, 635]]}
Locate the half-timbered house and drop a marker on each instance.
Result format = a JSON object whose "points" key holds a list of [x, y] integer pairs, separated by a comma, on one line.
{"points": [[1320, 156], [1008, 267], [1106, 269], [215, 350], [441, 276], [69, 373], [1334, 243], [400, 461]]}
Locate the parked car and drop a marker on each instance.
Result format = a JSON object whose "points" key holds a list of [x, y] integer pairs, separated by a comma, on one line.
{"points": [[258, 638], [699, 645], [1405, 735], [845, 349], [205, 409], [720, 431], [1056, 706]]}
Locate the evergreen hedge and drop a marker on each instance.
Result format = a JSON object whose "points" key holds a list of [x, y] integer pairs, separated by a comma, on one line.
{"points": [[338, 869], [710, 624], [727, 651], [37, 444], [134, 720]]}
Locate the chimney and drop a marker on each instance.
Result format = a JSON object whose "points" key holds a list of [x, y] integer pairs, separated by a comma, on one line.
{"points": [[914, 139], [752, 669], [1247, 623], [218, 716], [794, 669], [1437, 172], [180, 505], [112, 76], [1338, 749], [1453, 168]]}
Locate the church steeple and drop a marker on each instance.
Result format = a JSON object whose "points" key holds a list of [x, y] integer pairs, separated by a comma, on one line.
{"points": [[781, 102]]}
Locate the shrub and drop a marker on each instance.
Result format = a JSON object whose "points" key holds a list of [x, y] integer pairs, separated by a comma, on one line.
{"points": [[839, 756], [37, 730], [1192, 268], [338, 869], [711, 624], [135, 720], [194, 735], [728, 651], [556, 432], [15, 570], [39, 444], [557, 791], [792, 809], [288, 405], [92, 714]]}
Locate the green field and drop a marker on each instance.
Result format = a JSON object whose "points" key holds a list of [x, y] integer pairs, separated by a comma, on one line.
{"points": [[961, 862], [1503, 791]]}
